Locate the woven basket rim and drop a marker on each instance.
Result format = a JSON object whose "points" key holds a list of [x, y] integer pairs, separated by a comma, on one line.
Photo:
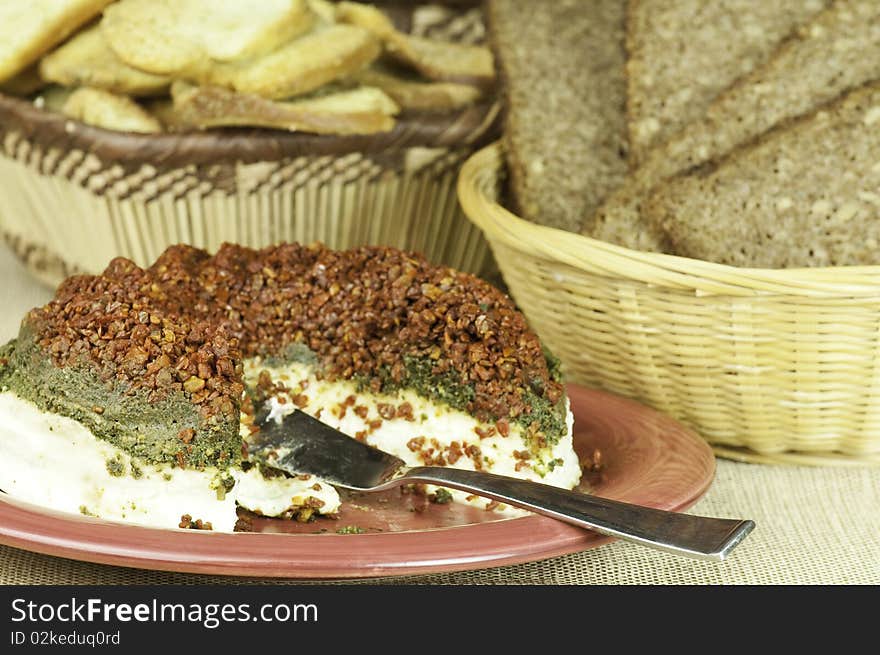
{"points": [[473, 126], [590, 255]]}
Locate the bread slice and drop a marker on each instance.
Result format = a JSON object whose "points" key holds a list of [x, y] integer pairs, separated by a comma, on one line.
{"points": [[805, 194], [619, 220], [175, 37], [565, 97], [837, 51], [361, 110], [110, 111], [87, 60], [683, 53], [29, 29]]}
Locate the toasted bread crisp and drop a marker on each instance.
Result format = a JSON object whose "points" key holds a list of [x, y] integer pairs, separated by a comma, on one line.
{"points": [[417, 94], [444, 60], [805, 194], [24, 83], [324, 55], [53, 97], [87, 60], [162, 109], [325, 10], [110, 111], [367, 16], [362, 110], [181, 37], [436, 60], [29, 29]]}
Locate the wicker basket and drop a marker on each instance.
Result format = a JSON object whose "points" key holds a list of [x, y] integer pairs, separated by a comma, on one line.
{"points": [[74, 196], [770, 366]]}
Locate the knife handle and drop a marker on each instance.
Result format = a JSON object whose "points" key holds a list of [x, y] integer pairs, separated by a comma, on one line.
{"points": [[698, 537]]}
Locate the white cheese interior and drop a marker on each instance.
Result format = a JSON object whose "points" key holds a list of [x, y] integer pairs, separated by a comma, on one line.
{"points": [[435, 429], [55, 461]]}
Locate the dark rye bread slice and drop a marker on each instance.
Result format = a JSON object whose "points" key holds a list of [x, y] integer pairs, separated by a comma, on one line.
{"points": [[683, 53], [805, 194], [562, 67], [837, 50], [619, 219]]}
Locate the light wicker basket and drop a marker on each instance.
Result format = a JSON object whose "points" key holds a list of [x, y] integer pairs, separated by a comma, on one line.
{"points": [[769, 366], [73, 196]]}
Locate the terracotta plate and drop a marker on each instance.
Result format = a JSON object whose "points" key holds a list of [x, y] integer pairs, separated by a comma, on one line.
{"points": [[647, 459]]}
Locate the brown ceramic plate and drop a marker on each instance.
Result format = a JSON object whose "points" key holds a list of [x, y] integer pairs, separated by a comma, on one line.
{"points": [[647, 459]]}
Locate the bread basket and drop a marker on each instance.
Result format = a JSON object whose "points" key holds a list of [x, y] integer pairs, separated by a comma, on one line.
{"points": [[73, 196], [769, 366]]}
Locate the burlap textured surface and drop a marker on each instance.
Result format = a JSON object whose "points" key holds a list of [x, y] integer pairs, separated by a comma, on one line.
{"points": [[815, 525]]}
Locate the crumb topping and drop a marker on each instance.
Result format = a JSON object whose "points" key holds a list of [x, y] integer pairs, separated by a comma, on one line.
{"points": [[187, 522], [184, 324]]}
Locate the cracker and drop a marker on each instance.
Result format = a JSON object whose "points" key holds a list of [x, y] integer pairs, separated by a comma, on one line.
{"points": [[324, 10], [326, 54], [29, 29], [367, 16], [177, 37], [435, 59], [162, 109], [361, 110], [417, 94], [53, 97], [110, 111], [87, 60], [24, 83], [444, 60]]}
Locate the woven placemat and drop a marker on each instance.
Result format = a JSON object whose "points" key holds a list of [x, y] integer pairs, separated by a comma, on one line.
{"points": [[815, 525]]}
